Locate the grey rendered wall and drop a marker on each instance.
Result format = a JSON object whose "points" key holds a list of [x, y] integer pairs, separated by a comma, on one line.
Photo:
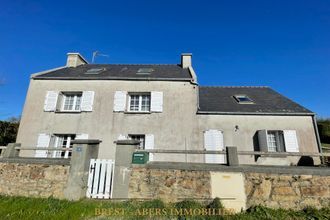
{"points": [[177, 127], [171, 129], [245, 136]]}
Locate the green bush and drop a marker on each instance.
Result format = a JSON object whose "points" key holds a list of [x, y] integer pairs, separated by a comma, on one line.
{"points": [[8, 132], [215, 204], [186, 205], [324, 130]]}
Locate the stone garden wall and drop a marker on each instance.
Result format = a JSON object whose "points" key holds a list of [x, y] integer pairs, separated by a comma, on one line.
{"points": [[169, 185], [287, 191], [35, 180], [276, 190]]}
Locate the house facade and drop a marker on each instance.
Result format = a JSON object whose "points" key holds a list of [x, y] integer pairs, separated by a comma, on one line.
{"points": [[164, 107]]}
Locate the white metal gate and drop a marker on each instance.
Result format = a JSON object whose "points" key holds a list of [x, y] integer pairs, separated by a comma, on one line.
{"points": [[100, 179]]}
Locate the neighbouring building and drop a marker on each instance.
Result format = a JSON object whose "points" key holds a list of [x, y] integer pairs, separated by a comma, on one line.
{"points": [[164, 107]]}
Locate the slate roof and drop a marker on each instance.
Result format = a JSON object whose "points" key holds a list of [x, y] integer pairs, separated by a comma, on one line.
{"points": [[120, 71], [266, 101]]}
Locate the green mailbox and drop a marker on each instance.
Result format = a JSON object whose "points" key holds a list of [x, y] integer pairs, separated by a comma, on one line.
{"points": [[140, 157]]}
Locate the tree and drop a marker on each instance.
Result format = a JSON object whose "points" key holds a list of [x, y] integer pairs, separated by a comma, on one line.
{"points": [[324, 130], [8, 130]]}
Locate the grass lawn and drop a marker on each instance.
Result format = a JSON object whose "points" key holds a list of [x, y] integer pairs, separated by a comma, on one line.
{"points": [[326, 145], [34, 209]]}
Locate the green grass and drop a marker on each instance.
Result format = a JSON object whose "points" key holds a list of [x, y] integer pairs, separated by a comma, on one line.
{"points": [[36, 208], [325, 145]]}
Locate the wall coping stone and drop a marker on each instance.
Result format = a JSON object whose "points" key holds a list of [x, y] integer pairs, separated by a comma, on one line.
{"points": [[33, 160], [86, 141], [127, 142], [294, 170]]}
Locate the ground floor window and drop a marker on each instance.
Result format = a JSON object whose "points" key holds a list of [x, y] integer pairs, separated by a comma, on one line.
{"points": [[275, 141], [62, 141], [138, 137]]}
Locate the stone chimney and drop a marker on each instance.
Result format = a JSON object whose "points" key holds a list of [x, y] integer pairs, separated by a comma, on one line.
{"points": [[75, 59], [186, 60]]}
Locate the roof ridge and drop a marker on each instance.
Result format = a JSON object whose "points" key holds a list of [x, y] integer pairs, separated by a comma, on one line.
{"points": [[132, 64], [235, 86]]}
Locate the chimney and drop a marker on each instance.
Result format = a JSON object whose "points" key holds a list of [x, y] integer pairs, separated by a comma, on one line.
{"points": [[75, 59], [186, 60]]}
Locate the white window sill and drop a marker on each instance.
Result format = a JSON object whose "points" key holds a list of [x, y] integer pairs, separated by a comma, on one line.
{"points": [[72, 112], [136, 112]]}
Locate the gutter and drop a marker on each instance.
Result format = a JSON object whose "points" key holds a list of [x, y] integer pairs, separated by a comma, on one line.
{"points": [[254, 113], [318, 140], [113, 78]]}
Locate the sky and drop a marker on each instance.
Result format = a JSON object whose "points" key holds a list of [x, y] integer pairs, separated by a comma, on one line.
{"points": [[281, 44]]}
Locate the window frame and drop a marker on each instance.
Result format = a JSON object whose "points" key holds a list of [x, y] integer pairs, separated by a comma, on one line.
{"points": [[75, 95], [278, 140], [56, 144], [140, 101], [239, 96], [134, 137]]}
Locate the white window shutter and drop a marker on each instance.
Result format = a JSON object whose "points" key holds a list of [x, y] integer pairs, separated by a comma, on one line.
{"points": [[87, 101], [43, 141], [81, 136], [50, 101], [213, 141], [291, 142], [122, 137], [119, 101], [156, 101], [149, 144], [262, 138]]}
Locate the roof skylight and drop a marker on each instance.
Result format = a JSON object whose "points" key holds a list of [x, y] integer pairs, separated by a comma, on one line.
{"points": [[243, 99], [95, 71], [144, 71]]}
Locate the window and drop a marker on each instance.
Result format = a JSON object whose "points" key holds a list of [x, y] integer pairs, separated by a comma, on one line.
{"points": [[71, 101], [138, 137], [62, 141], [275, 141], [139, 102], [95, 71], [145, 71], [243, 99]]}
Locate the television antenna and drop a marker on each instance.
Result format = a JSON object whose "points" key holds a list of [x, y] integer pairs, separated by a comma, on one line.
{"points": [[98, 54]]}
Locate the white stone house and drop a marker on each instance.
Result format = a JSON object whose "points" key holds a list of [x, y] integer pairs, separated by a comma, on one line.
{"points": [[164, 107]]}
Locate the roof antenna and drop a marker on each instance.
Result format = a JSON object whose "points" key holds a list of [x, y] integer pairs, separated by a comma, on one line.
{"points": [[97, 53]]}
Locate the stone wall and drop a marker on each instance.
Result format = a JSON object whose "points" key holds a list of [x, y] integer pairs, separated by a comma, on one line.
{"points": [[287, 191], [36, 180], [276, 190], [169, 185]]}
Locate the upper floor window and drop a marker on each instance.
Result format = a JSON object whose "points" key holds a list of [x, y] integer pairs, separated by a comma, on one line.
{"points": [[71, 101], [139, 102]]}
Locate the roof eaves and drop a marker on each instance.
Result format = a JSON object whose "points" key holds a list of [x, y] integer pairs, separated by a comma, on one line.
{"points": [[236, 87], [113, 78], [257, 113], [33, 75]]}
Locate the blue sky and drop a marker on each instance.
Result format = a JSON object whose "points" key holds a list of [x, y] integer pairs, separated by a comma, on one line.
{"points": [[282, 44]]}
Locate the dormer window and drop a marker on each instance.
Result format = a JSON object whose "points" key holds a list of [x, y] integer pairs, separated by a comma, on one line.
{"points": [[243, 99]]}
